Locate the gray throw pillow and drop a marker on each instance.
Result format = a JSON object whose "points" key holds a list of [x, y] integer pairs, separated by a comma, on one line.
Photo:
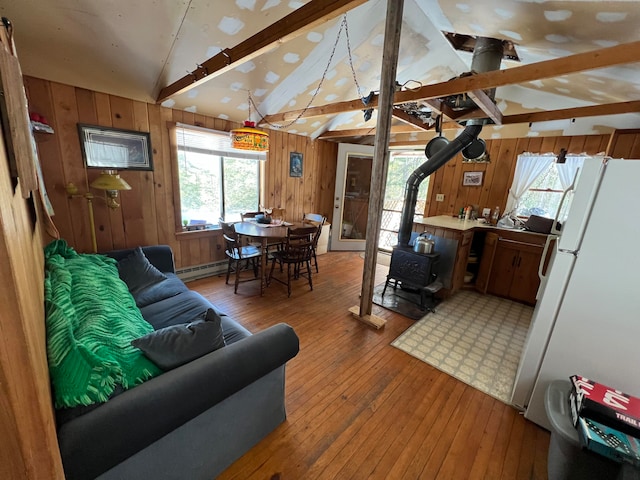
{"points": [[137, 272], [176, 345]]}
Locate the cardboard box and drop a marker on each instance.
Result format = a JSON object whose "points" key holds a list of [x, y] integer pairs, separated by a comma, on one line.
{"points": [[605, 405], [608, 441]]}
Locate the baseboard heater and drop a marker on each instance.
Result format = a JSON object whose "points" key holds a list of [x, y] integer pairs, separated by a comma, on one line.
{"points": [[201, 271]]}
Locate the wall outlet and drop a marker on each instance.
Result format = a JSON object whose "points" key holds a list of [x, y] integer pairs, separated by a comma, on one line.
{"points": [[486, 212], [440, 197]]}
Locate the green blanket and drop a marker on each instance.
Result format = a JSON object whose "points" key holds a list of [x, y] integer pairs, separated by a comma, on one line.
{"points": [[91, 319]]}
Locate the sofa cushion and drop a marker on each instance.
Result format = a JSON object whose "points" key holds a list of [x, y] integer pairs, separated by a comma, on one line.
{"points": [[176, 345], [180, 308], [157, 292], [138, 273]]}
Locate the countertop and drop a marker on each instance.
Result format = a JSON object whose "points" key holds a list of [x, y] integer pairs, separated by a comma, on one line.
{"points": [[453, 223]]}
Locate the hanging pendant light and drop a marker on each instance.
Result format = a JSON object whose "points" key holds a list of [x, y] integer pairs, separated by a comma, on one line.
{"points": [[248, 137]]}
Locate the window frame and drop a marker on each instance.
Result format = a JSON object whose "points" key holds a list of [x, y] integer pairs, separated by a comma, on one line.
{"points": [[175, 168], [543, 190]]}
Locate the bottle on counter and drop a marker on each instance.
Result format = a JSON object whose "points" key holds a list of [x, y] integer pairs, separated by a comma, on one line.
{"points": [[461, 213], [495, 216], [467, 213]]}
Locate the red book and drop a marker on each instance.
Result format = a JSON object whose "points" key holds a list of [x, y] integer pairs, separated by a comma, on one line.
{"points": [[604, 404]]}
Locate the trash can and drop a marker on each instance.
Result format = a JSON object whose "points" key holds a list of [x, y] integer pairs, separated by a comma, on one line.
{"points": [[567, 460], [323, 241]]}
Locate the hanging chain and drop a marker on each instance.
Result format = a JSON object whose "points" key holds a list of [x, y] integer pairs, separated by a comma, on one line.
{"points": [[343, 25], [353, 71]]}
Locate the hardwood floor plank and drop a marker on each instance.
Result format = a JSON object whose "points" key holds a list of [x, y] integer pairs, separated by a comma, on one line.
{"points": [[413, 466], [514, 448], [434, 390], [461, 456], [358, 407], [489, 436], [375, 432], [461, 420], [498, 452], [400, 418]]}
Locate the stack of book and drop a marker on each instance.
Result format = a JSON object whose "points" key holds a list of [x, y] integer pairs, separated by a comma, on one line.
{"points": [[607, 420]]}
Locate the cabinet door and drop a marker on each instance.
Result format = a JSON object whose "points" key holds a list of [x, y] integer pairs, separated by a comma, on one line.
{"points": [[504, 265], [486, 262], [462, 255], [525, 279]]}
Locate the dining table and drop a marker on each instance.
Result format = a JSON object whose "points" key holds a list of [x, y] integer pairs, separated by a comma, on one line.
{"points": [[264, 232]]}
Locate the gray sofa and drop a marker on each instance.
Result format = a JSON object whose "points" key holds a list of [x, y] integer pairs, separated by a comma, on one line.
{"points": [[190, 422]]}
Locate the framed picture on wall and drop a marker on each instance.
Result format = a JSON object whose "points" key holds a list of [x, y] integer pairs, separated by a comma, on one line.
{"points": [[295, 164], [112, 148], [472, 179]]}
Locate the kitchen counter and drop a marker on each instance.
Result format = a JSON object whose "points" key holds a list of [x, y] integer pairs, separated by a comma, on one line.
{"points": [[453, 223], [483, 240]]}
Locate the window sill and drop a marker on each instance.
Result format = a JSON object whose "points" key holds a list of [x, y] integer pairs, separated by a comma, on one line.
{"points": [[195, 234]]}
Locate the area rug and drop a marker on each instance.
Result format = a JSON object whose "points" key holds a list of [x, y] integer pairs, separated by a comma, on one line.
{"points": [[475, 338]]}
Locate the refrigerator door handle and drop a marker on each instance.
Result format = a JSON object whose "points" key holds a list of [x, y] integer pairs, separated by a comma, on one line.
{"points": [[550, 238], [554, 226]]}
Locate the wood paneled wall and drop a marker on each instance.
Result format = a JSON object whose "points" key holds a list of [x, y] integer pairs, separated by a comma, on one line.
{"points": [[498, 174], [29, 448], [147, 213], [625, 144]]}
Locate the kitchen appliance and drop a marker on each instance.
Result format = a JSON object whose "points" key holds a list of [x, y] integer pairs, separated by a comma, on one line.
{"points": [[423, 244], [587, 318], [539, 224]]}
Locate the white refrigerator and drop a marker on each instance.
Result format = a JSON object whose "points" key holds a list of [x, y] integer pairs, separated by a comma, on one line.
{"points": [[587, 318]]}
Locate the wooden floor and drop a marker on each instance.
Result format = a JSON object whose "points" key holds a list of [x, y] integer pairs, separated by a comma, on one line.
{"points": [[358, 408]]}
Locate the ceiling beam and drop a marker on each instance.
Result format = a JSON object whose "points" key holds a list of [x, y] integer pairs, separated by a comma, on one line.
{"points": [[602, 58], [487, 105], [365, 132], [410, 119], [542, 116], [578, 112], [297, 22]]}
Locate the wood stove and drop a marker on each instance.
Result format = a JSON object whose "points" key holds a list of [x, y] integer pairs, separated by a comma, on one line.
{"points": [[415, 271]]}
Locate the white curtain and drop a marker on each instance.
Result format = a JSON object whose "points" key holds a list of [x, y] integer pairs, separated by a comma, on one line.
{"points": [[528, 167], [567, 171]]}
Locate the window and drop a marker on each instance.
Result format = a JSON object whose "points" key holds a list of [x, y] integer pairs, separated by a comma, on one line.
{"points": [[543, 196], [401, 165], [545, 193], [215, 180]]}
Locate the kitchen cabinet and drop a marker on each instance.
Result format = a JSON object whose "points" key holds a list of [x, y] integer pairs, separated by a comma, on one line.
{"points": [[508, 258], [514, 270], [486, 262], [457, 262]]}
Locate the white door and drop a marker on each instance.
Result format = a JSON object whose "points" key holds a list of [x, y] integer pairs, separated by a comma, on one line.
{"points": [[351, 200]]}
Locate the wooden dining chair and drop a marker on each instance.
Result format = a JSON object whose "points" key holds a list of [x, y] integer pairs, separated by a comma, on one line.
{"points": [[276, 214], [249, 215], [318, 220], [296, 253], [241, 257]]}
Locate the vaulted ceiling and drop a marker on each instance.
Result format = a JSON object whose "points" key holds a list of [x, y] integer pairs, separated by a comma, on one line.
{"points": [[303, 66]]}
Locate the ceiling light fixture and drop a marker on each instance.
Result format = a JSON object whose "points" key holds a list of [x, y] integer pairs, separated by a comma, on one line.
{"points": [[248, 137]]}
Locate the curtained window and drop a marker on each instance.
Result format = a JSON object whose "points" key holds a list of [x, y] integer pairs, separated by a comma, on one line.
{"points": [[539, 183]]}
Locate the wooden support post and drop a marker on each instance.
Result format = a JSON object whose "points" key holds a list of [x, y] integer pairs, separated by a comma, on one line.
{"points": [[380, 165]]}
